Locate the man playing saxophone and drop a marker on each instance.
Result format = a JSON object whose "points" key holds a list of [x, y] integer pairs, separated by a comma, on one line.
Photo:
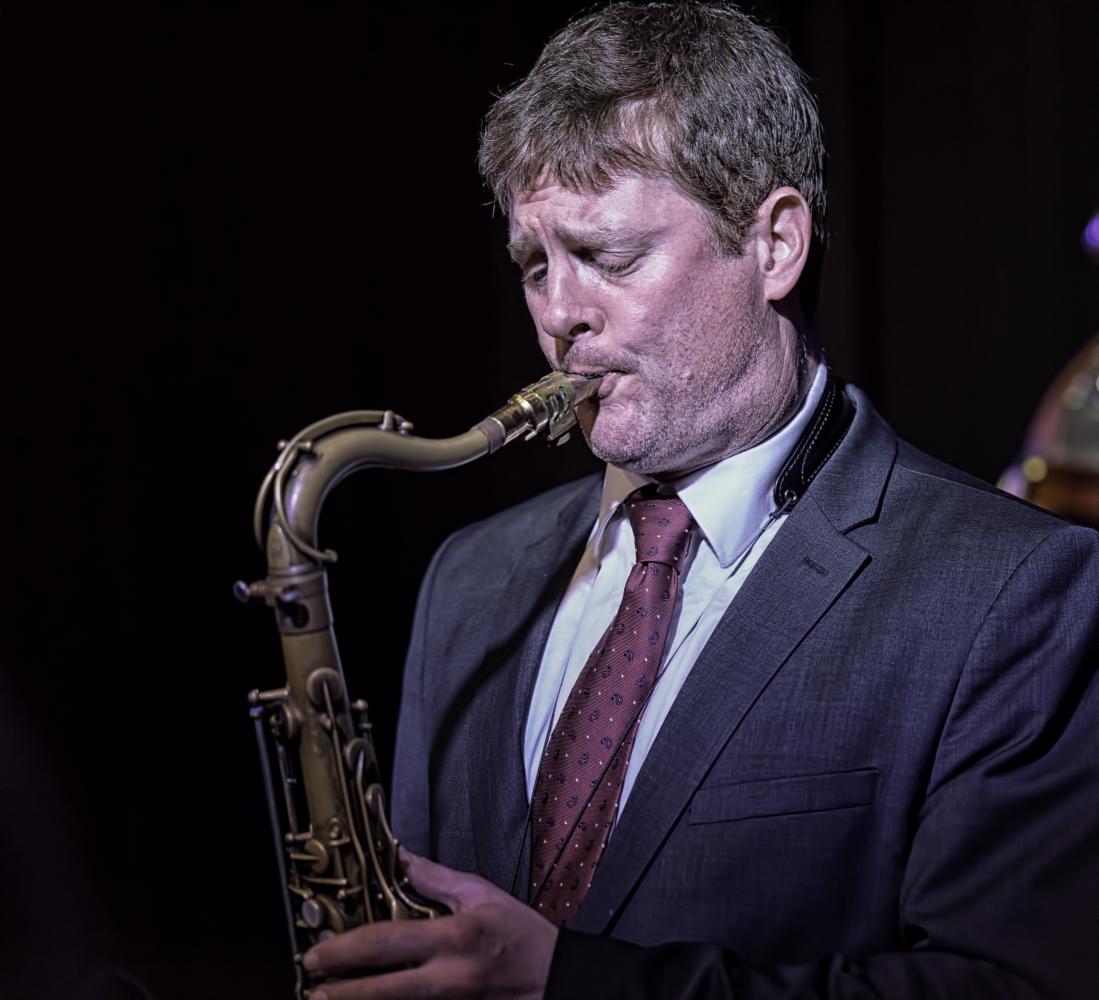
{"points": [[777, 706]]}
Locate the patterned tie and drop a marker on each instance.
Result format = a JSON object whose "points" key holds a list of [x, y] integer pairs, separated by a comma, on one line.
{"points": [[579, 783]]}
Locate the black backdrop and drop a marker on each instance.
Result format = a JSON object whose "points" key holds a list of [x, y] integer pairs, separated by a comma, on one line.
{"points": [[221, 225]]}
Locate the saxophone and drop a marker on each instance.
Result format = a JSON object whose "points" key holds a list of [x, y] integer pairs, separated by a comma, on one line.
{"points": [[337, 856]]}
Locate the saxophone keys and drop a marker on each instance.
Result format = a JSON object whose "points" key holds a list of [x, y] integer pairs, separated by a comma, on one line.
{"points": [[319, 913], [316, 855], [323, 686]]}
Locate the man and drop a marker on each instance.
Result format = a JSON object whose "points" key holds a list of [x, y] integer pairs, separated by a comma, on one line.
{"points": [[861, 759]]}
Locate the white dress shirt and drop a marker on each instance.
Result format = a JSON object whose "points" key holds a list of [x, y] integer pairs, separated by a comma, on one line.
{"points": [[731, 503]]}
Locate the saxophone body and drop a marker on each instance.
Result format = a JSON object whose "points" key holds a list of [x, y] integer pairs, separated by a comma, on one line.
{"points": [[337, 857]]}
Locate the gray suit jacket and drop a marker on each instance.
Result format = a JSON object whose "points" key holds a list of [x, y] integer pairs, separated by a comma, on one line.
{"points": [[881, 777]]}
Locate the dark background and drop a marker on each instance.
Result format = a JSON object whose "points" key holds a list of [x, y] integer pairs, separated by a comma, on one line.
{"points": [[222, 225]]}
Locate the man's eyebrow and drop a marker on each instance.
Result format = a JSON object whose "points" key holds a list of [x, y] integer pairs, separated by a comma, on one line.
{"points": [[518, 247], [598, 236], [610, 236]]}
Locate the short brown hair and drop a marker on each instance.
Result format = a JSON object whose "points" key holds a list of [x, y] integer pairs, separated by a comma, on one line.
{"points": [[697, 92]]}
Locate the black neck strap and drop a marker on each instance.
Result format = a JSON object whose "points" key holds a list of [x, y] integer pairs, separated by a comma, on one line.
{"points": [[821, 437]]}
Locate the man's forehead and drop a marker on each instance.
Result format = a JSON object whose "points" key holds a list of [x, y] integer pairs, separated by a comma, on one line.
{"points": [[552, 200], [630, 209]]}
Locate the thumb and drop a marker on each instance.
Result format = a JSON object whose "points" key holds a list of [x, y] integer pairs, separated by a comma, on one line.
{"points": [[458, 890]]}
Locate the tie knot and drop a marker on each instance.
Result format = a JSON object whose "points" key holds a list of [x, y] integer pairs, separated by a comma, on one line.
{"points": [[661, 526]]}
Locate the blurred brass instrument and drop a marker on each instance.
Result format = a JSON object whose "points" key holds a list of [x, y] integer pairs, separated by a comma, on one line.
{"points": [[1059, 465], [337, 857]]}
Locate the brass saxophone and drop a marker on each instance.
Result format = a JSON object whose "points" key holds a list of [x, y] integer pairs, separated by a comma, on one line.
{"points": [[337, 857]]}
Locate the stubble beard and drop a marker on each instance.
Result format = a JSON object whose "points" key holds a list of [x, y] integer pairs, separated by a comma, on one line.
{"points": [[666, 433], [666, 430]]}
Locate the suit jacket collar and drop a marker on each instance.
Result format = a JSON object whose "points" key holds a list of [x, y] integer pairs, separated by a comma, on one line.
{"points": [[849, 488]]}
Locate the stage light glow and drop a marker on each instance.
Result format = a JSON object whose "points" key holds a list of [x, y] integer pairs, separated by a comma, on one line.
{"points": [[1091, 233]]}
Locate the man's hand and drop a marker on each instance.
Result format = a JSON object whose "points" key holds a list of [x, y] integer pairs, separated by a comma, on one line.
{"points": [[492, 946]]}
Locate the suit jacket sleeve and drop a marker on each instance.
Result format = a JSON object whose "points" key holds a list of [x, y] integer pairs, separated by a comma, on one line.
{"points": [[1001, 890]]}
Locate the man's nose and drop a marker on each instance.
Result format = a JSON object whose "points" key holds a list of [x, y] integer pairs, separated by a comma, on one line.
{"points": [[570, 309]]}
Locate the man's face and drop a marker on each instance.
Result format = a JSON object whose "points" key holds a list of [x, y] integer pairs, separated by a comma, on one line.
{"points": [[630, 282]]}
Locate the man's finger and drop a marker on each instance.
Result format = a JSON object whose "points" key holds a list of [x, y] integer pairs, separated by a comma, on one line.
{"points": [[388, 942], [390, 986], [457, 890]]}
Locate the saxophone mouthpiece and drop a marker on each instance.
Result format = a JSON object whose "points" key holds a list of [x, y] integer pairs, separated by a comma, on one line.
{"points": [[584, 384], [546, 409]]}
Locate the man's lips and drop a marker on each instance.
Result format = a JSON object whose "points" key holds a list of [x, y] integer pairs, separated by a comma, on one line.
{"points": [[606, 387], [609, 377]]}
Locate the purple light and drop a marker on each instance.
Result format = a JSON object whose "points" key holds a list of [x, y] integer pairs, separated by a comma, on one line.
{"points": [[1091, 234]]}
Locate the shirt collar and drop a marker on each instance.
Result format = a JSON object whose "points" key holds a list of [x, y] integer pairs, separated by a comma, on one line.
{"points": [[729, 500]]}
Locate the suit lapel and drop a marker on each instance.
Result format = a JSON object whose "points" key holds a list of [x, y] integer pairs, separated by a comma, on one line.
{"points": [[533, 587], [803, 570]]}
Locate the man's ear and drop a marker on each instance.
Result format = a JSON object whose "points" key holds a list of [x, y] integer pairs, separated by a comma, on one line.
{"points": [[783, 229]]}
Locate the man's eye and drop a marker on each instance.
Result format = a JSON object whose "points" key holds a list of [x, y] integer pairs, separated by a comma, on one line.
{"points": [[608, 262], [613, 266], [535, 275]]}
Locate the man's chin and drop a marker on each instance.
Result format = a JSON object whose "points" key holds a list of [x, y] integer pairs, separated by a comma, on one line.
{"points": [[616, 449], [633, 454]]}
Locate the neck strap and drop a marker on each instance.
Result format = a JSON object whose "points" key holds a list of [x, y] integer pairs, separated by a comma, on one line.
{"points": [[821, 437]]}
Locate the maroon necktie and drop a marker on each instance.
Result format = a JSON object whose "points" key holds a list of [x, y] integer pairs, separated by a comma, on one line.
{"points": [[580, 780]]}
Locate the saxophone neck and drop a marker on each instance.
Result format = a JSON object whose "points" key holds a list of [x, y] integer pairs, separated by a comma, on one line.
{"points": [[317, 458]]}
